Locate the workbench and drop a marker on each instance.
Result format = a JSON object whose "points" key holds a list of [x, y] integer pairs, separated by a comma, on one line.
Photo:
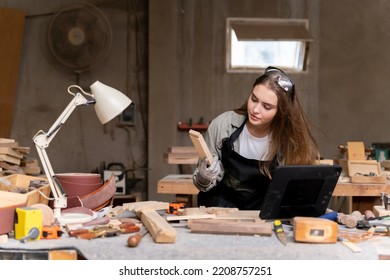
{"points": [[198, 246], [182, 186]]}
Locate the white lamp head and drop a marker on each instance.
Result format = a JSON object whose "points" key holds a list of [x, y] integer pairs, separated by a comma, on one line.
{"points": [[109, 101]]}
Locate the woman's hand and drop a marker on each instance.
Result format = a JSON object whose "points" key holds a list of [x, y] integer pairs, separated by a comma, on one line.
{"points": [[206, 177]]}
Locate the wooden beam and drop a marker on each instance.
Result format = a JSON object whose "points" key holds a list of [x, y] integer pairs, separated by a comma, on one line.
{"points": [[159, 228], [217, 226], [177, 184]]}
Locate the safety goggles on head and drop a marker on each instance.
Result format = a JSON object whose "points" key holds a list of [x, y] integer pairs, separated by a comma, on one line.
{"points": [[284, 81]]}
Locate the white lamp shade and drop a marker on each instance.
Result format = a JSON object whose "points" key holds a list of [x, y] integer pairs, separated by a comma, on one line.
{"points": [[109, 101]]}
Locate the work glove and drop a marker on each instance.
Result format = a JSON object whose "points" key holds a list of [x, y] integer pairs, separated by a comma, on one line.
{"points": [[206, 177]]}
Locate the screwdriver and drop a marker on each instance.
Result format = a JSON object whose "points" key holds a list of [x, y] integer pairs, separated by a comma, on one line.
{"points": [[135, 239]]}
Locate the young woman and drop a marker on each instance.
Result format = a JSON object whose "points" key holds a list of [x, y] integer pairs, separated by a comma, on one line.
{"points": [[270, 129]]}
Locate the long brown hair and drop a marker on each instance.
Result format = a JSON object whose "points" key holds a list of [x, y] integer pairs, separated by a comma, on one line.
{"points": [[291, 139]]}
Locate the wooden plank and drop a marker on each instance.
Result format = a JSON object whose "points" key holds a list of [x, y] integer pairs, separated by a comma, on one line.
{"points": [[352, 246], [356, 151], [350, 189], [217, 226], [12, 32], [10, 159], [182, 184], [62, 255], [190, 217], [7, 141], [177, 184], [10, 152], [180, 158], [182, 149], [200, 145], [160, 229]]}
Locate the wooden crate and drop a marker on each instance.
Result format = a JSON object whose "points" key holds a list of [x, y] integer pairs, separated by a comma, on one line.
{"points": [[359, 169], [38, 195]]}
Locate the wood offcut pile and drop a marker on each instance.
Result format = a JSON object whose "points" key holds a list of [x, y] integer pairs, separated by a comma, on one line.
{"points": [[14, 159], [181, 155]]}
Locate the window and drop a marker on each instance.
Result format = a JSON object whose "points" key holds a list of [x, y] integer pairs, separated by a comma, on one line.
{"points": [[253, 44]]}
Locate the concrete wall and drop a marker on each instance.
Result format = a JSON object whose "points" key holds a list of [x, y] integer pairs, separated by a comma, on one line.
{"points": [[83, 144], [168, 56], [354, 73], [187, 75]]}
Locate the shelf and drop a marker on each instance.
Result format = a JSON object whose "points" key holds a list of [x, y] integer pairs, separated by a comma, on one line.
{"points": [[194, 126]]}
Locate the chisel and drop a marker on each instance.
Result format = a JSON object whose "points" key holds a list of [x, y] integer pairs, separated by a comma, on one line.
{"points": [[280, 233]]}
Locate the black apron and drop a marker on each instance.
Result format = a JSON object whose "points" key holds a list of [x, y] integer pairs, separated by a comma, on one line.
{"points": [[243, 186]]}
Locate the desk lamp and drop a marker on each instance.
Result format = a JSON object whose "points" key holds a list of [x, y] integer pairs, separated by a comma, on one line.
{"points": [[108, 102]]}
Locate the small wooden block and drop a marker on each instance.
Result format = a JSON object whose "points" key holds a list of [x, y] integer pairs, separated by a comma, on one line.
{"points": [[383, 252], [117, 210], [380, 211], [352, 246], [160, 229], [356, 151], [3, 238], [63, 255], [190, 217], [200, 145]]}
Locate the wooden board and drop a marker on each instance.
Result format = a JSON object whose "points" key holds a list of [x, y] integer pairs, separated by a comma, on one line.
{"points": [[200, 145], [10, 152], [356, 151], [380, 211], [10, 159], [177, 184], [160, 229], [180, 158], [217, 226], [181, 149]]}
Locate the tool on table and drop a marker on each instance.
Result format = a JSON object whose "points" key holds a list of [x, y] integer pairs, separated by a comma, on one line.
{"points": [[33, 233], [280, 233], [174, 207], [135, 239], [369, 215], [104, 231], [51, 232], [315, 230], [28, 221], [377, 222], [350, 220]]}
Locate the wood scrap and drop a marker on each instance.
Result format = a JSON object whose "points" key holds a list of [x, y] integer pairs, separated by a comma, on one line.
{"points": [[353, 247], [190, 217], [217, 226], [354, 235], [383, 252], [159, 228], [10, 152], [181, 155], [223, 213], [13, 159]]}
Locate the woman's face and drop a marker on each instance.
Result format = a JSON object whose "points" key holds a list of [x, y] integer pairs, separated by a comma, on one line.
{"points": [[262, 108]]}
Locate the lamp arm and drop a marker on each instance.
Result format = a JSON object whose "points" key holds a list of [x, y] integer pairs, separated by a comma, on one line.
{"points": [[42, 141]]}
